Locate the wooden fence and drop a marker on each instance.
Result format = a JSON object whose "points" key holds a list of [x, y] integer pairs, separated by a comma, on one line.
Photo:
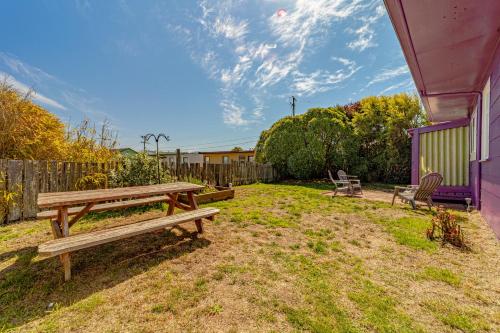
{"points": [[28, 178]]}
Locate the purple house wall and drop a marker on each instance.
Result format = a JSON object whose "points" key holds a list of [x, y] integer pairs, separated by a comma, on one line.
{"points": [[489, 170], [452, 48]]}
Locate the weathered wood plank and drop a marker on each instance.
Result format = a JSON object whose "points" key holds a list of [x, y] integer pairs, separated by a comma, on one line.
{"points": [[15, 184], [30, 189], [49, 200], [53, 183], [48, 214], [77, 242], [43, 180]]}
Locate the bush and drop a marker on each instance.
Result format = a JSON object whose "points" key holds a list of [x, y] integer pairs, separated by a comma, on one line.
{"points": [[92, 182], [305, 146], [368, 138], [139, 169]]}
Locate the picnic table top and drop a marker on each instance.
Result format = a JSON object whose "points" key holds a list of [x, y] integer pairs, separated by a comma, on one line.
{"points": [[72, 198]]}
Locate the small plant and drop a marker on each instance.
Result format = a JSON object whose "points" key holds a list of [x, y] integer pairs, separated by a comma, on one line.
{"points": [[445, 227], [215, 309], [92, 182]]}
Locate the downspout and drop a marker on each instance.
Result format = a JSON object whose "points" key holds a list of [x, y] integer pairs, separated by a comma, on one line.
{"points": [[479, 126], [415, 155]]}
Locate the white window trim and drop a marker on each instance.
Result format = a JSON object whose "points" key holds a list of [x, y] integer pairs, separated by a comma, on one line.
{"points": [[485, 122], [473, 136]]}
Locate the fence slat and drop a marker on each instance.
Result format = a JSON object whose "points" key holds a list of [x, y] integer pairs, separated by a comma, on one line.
{"points": [[14, 184], [30, 189]]}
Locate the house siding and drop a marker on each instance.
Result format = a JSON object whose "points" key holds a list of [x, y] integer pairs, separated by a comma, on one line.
{"points": [[217, 157], [490, 169]]}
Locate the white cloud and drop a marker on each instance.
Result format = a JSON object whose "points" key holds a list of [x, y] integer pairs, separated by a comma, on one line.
{"points": [[299, 31], [23, 77], [365, 34], [25, 90], [229, 28], [218, 21], [18, 67], [322, 80], [406, 84], [233, 113], [388, 74], [255, 58]]}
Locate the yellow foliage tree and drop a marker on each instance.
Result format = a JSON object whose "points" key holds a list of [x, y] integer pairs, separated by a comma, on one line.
{"points": [[28, 131], [87, 143]]}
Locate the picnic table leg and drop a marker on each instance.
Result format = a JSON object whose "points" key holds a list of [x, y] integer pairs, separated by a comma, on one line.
{"points": [[56, 226], [194, 205], [65, 258], [171, 203]]}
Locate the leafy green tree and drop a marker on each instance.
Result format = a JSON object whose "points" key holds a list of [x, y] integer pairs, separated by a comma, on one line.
{"points": [[303, 146], [368, 138], [381, 125]]}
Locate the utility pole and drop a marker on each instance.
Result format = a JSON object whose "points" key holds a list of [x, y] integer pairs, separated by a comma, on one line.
{"points": [[143, 137], [157, 139], [293, 101]]}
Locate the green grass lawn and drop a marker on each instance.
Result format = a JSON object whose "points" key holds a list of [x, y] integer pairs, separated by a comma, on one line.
{"points": [[279, 258]]}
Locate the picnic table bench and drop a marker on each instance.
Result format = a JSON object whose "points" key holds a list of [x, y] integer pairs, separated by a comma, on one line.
{"points": [[80, 203]]}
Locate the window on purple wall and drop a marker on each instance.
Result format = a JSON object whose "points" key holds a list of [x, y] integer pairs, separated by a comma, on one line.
{"points": [[473, 135], [485, 122]]}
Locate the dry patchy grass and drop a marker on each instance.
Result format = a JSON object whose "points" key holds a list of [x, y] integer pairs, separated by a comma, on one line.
{"points": [[279, 258]]}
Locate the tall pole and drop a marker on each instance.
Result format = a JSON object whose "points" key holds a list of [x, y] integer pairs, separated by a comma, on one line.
{"points": [[292, 103], [143, 137], [157, 139], [158, 161]]}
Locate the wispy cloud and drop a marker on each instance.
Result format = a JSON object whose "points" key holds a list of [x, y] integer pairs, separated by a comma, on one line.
{"points": [[365, 34], [254, 60], [406, 84], [17, 67], [26, 90], [322, 80], [40, 85], [388, 74]]}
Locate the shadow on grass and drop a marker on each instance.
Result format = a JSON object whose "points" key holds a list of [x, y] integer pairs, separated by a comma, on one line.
{"points": [[29, 285]]}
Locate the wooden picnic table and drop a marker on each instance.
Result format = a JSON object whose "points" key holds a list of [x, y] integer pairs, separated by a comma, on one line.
{"points": [[64, 202]]}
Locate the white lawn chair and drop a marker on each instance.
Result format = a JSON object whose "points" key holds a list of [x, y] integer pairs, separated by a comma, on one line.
{"points": [[344, 184], [353, 180], [423, 192]]}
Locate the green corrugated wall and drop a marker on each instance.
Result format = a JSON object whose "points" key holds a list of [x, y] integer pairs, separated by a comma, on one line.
{"points": [[446, 152]]}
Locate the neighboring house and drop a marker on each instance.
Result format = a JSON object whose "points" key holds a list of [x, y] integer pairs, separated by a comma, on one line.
{"points": [[452, 50], [171, 157], [228, 157], [126, 152]]}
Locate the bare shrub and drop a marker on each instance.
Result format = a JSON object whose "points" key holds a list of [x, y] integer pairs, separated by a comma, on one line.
{"points": [[445, 227]]}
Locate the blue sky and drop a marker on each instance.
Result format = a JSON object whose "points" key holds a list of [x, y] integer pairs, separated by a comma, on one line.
{"points": [[210, 74]]}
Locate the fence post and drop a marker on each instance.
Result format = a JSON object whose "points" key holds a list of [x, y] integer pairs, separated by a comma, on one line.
{"points": [[14, 184], [178, 163]]}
